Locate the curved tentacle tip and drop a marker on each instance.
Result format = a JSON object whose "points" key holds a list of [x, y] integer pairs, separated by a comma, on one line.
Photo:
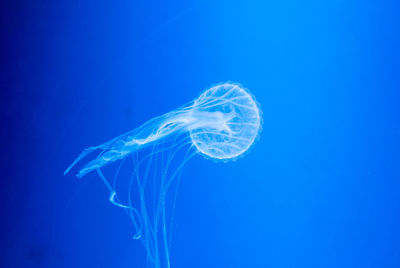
{"points": [[137, 236], [69, 168], [113, 201]]}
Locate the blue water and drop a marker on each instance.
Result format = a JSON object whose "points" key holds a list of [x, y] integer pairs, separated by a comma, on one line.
{"points": [[319, 189]]}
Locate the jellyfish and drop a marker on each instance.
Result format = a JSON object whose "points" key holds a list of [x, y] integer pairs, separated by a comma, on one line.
{"points": [[221, 125]]}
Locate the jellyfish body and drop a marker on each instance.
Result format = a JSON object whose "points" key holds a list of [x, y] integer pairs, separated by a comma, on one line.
{"points": [[221, 124]]}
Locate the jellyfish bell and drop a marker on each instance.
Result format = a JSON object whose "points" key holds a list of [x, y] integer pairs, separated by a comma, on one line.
{"points": [[221, 124], [228, 122]]}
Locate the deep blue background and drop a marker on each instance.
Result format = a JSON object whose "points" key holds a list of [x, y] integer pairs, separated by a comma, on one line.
{"points": [[319, 189]]}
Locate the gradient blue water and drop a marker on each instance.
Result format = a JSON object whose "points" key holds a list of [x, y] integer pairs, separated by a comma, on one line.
{"points": [[319, 189]]}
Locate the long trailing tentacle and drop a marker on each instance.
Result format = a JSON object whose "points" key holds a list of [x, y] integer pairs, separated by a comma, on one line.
{"points": [[160, 213], [118, 148]]}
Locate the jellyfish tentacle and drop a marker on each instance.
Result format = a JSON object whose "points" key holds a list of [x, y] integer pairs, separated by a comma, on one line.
{"points": [[113, 199], [164, 229], [179, 176], [123, 145], [161, 204], [129, 209], [118, 204], [147, 229], [160, 211]]}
